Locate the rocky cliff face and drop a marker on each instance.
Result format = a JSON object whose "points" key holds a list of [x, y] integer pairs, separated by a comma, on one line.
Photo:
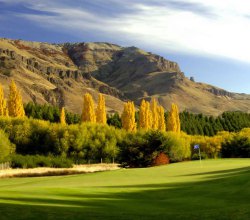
{"points": [[61, 73]]}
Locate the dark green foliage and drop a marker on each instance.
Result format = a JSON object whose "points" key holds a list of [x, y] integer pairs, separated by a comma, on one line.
{"points": [[49, 113], [114, 120], [32, 161], [196, 156], [237, 146], [198, 124], [140, 149]]}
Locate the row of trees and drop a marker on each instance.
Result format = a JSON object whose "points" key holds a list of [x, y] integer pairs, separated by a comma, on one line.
{"points": [[90, 114], [94, 142], [49, 113], [150, 115], [193, 124], [199, 124]]}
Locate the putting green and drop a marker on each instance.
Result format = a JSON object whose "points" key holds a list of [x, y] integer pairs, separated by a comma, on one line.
{"points": [[216, 189]]}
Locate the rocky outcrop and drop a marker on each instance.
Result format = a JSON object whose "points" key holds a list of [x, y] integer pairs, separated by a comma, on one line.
{"points": [[51, 72], [220, 92]]}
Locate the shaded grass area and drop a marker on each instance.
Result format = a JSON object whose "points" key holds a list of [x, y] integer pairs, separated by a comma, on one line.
{"points": [[220, 189]]}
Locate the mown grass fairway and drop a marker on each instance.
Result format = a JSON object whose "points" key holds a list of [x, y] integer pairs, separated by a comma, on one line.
{"points": [[220, 189]]}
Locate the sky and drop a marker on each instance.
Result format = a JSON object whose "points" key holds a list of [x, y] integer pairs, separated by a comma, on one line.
{"points": [[209, 39]]}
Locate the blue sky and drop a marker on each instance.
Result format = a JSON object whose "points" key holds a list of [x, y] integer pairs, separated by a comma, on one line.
{"points": [[209, 39]]}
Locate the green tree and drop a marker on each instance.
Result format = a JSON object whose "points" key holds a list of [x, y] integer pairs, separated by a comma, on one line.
{"points": [[6, 148]]}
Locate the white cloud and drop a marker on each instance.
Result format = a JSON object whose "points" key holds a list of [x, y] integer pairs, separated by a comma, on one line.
{"points": [[224, 34]]}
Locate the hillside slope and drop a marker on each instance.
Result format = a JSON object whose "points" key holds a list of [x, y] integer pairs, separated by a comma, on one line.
{"points": [[46, 74], [61, 73], [142, 75]]}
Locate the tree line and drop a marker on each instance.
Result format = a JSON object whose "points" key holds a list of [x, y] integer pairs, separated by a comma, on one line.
{"points": [[192, 124], [147, 134]]}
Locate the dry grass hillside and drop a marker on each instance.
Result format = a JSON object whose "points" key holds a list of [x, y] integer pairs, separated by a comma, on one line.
{"points": [[46, 74], [61, 73]]}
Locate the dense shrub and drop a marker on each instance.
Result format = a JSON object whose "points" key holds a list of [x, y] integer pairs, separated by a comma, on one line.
{"points": [[6, 148], [141, 149], [237, 145], [94, 142], [83, 143], [32, 161], [210, 147], [179, 146]]}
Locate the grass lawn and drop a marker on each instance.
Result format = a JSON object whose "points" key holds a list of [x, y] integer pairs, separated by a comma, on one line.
{"points": [[219, 189]]}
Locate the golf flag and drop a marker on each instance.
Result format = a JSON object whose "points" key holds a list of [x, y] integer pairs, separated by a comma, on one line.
{"points": [[197, 146]]}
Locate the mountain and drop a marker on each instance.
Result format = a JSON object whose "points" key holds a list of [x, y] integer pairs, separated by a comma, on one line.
{"points": [[60, 74]]}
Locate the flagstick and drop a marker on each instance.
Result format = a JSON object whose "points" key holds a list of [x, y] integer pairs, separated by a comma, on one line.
{"points": [[200, 157]]}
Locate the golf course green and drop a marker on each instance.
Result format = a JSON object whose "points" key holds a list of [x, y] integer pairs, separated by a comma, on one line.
{"points": [[214, 189]]}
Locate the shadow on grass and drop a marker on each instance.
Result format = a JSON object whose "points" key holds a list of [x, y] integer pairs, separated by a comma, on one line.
{"points": [[224, 172], [224, 196]]}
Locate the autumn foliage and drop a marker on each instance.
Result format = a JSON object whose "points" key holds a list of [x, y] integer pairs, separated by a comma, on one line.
{"points": [[15, 103], [128, 117], [173, 122], [101, 110], [3, 104], [151, 116], [88, 112], [161, 159], [62, 117]]}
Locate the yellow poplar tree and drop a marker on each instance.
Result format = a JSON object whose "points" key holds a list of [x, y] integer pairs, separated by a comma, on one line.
{"points": [[88, 112], [15, 103], [128, 117], [173, 122], [161, 118], [101, 110], [148, 116], [154, 114], [3, 103], [62, 116], [178, 122], [142, 115]]}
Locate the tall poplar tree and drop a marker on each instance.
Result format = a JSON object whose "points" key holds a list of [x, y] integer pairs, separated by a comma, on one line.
{"points": [[149, 116], [88, 112], [15, 103], [101, 116], [155, 119], [145, 116], [142, 116], [3, 103], [62, 116], [173, 122], [128, 117], [161, 118]]}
